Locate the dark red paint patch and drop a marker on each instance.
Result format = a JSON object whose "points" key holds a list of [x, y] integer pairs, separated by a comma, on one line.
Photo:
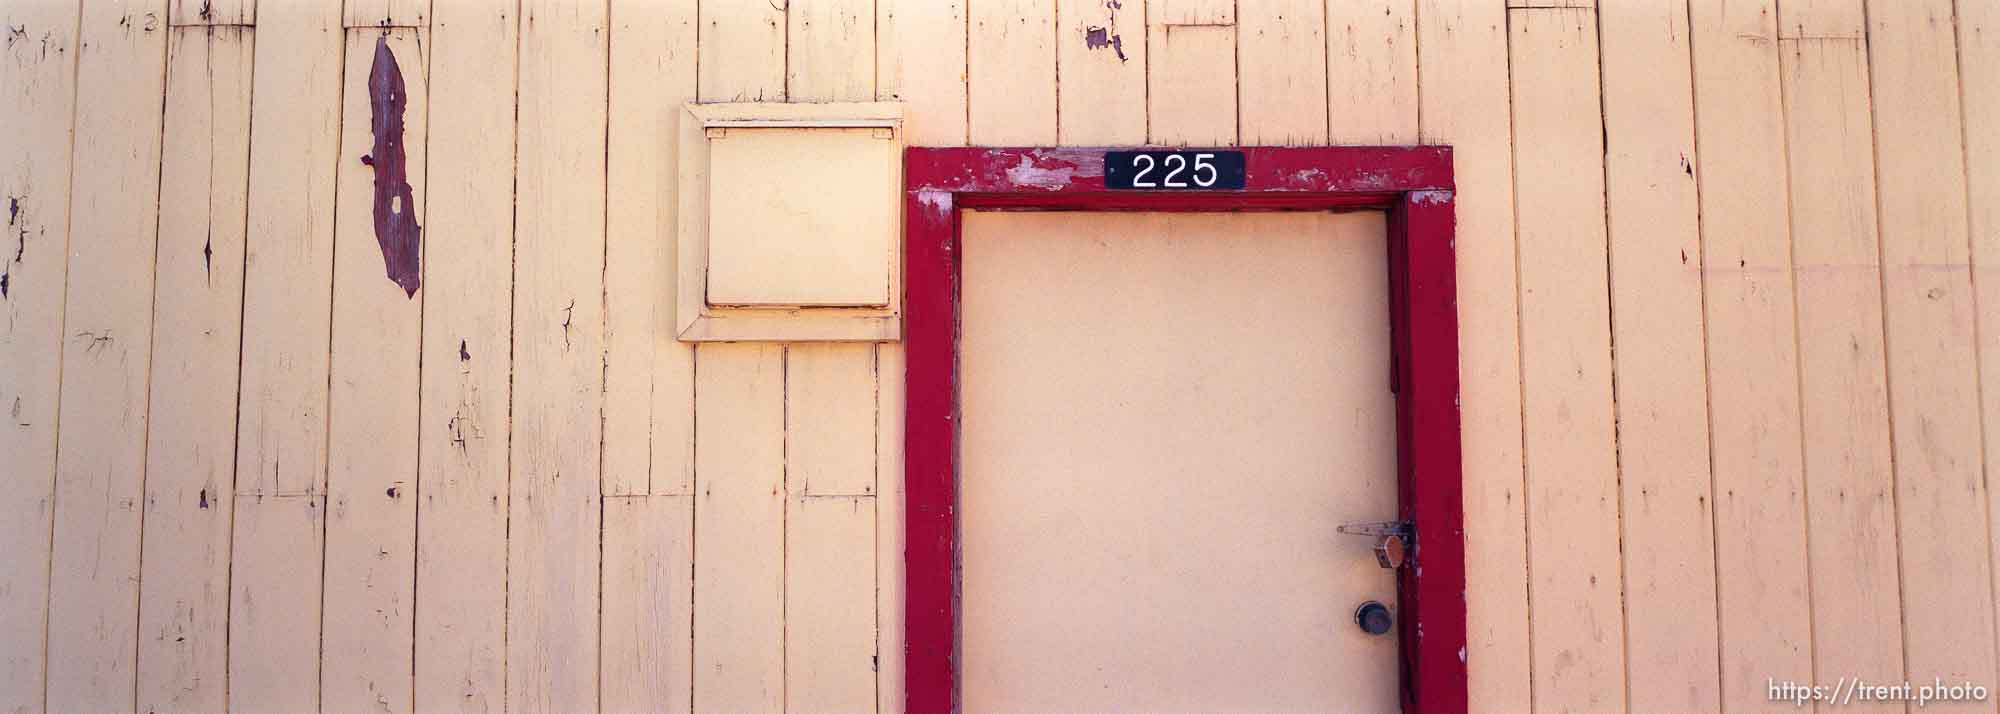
{"points": [[396, 228]]}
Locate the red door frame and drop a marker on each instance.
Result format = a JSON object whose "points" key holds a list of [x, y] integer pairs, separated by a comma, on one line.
{"points": [[1413, 184]]}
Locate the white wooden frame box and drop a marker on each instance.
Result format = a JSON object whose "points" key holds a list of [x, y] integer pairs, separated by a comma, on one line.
{"points": [[790, 223]]}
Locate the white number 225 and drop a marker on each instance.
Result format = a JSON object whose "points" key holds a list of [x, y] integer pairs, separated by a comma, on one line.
{"points": [[1175, 165]]}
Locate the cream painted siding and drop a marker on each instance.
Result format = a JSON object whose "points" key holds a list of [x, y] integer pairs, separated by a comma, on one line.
{"points": [[1728, 343]]}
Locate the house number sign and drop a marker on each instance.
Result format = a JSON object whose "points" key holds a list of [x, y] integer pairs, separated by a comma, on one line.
{"points": [[1197, 170]]}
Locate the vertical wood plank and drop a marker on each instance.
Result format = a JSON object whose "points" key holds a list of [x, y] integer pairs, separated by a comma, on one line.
{"points": [[1578, 648], [1655, 252], [739, 528], [277, 548], [281, 437], [1754, 431], [1371, 71], [1101, 68], [920, 50], [830, 601], [1281, 73], [830, 50], [1011, 73], [648, 603], [830, 419], [1933, 362], [371, 540], [552, 562], [828, 406], [1844, 394], [387, 13], [197, 313], [742, 47], [107, 350], [212, 12], [1181, 112], [1465, 103], [274, 603], [35, 180], [889, 522], [1979, 82], [647, 611], [461, 598], [648, 375], [739, 504]]}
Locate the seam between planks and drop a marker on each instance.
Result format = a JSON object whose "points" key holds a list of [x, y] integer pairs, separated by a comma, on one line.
{"points": [[1972, 274], [1798, 350], [1888, 373], [62, 328], [152, 339], [1520, 363], [1611, 350]]}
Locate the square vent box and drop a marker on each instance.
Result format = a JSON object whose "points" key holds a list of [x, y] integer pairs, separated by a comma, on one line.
{"points": [[790, 222]]}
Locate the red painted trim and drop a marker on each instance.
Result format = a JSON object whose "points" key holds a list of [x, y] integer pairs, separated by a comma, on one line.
{"points": [[1414, 184]]}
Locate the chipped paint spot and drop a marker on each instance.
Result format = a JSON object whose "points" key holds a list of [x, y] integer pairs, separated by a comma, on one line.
{"points": [[1430, 198], [1098, 38], [938, 201], [396, 229], [1028, 174]]}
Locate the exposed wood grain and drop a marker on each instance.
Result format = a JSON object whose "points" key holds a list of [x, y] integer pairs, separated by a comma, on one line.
{"points": [[1011, 73], [742, 51], [388, 13], [1574, 566], [648, 375], [461, 600], [93, 594], [1979, 84], [739, 559], [1666, 524], [830, 600], [212, 12], [1371, 71], [281, 433], [1281, 73], [920, 48], [1101, 71], [1184, 113], [889, 520], [648, 603], [1844, 394], [830, 419], [553, 543], [35, 180], [1941, 496], [830, 50], [197, 328], [371, 538], [1465, 103], [274, 603]]}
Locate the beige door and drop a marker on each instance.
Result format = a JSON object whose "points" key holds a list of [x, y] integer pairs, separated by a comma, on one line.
{"points": [[1164, 418]]}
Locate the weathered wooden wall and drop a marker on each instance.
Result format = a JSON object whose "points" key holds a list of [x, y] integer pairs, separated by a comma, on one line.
{"points": [[1727, 320]]}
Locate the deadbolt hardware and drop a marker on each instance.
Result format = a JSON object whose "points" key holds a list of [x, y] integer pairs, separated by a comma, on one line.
{"points": [[1392, 539]]}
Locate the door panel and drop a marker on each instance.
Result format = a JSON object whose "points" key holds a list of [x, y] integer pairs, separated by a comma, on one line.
{"points": [[1163, 418]]}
